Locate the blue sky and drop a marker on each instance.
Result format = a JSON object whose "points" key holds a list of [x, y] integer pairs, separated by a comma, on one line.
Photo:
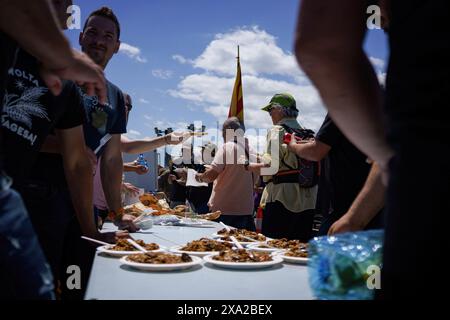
{"points": [[178, 60]]}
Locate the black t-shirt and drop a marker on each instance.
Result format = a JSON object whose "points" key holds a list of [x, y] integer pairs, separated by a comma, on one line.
{"points": [[346, 170], [31, 113], [103, 120], [49, 167], [418, 79], [7, 53]]}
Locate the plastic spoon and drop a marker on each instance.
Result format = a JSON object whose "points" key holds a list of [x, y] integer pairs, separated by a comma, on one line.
{"points": [[225, 226], [239, 246], [95, 241], [137, 246]]}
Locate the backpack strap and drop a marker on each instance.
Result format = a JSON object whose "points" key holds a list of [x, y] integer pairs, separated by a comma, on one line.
{"points": [[288, 130]]}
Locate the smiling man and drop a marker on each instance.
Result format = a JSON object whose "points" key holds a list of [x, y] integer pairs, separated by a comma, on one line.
{"points": [[100, 40], [55, 190], [104, 124]]}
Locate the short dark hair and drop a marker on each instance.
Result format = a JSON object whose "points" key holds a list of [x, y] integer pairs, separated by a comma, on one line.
{"points": [[105, 12]]}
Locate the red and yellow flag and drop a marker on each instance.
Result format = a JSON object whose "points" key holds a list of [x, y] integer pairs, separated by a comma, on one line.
{"points": [[237, 101]]}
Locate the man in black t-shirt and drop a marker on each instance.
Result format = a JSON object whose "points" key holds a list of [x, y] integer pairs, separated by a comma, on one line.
{"points": [[29, 115], [346, 172], [7, 54], [413, 158], [25, 274], [24, 270]]}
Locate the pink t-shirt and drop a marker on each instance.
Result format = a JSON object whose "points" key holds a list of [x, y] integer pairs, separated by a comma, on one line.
{"points": [[99, 196], [233, 189]]}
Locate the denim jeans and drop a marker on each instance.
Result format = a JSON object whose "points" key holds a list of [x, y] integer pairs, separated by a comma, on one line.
{"points": [[24, 272]]}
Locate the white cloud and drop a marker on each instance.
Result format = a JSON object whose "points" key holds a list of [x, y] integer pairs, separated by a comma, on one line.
{"points": [[146, 116], [133, 134], [382, 78], [379, 66], [176, 126], [267, 70], [377, 63], [259, 53], [162, 74], [142, 100], [180, 59], [132, 52]]}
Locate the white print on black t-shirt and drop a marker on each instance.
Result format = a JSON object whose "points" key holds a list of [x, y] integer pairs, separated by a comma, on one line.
{"points": [[22, 108], [96, 113], [23, 74]]}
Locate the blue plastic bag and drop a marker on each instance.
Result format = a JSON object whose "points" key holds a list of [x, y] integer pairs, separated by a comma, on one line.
{"points": [[346, 266]]}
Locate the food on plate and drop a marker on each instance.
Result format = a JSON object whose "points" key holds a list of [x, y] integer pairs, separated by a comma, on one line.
{"points": [[161, 212], [242, 255], [148, 199], [206, 245], [180, 209], [297, 253], [209, 216], [135, 210], [284, 244], [159, 258], [239, 238], [238, 233], [124, 245], [163, 204], [161, 207]]}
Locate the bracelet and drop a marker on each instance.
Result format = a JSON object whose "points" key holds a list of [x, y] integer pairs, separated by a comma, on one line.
{"points": [[112, 215]]}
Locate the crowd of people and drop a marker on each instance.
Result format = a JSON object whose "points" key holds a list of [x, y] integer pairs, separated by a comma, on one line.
{"points": [[63, 126]]}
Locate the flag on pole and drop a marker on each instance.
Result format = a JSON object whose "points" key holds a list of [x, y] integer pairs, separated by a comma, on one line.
{"points": [[237, 101]]}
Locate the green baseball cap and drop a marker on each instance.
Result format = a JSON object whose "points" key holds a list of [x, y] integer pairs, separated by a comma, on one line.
{"points": [[283, 99]]}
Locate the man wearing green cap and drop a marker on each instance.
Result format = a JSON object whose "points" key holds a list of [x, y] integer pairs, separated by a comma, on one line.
{"points": [[288, 208]]}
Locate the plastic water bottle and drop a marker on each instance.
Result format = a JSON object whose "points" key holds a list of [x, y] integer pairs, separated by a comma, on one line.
{"points": [[142, 162]]}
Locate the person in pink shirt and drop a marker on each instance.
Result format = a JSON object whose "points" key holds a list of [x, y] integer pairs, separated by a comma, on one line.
{"points": [[233, 184]]}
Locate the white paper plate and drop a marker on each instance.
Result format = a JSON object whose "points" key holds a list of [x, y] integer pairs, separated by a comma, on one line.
{"points": [[276, 260], [255, 247], [176, 249], [106, 250], [162, 267], [296, 260]]}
